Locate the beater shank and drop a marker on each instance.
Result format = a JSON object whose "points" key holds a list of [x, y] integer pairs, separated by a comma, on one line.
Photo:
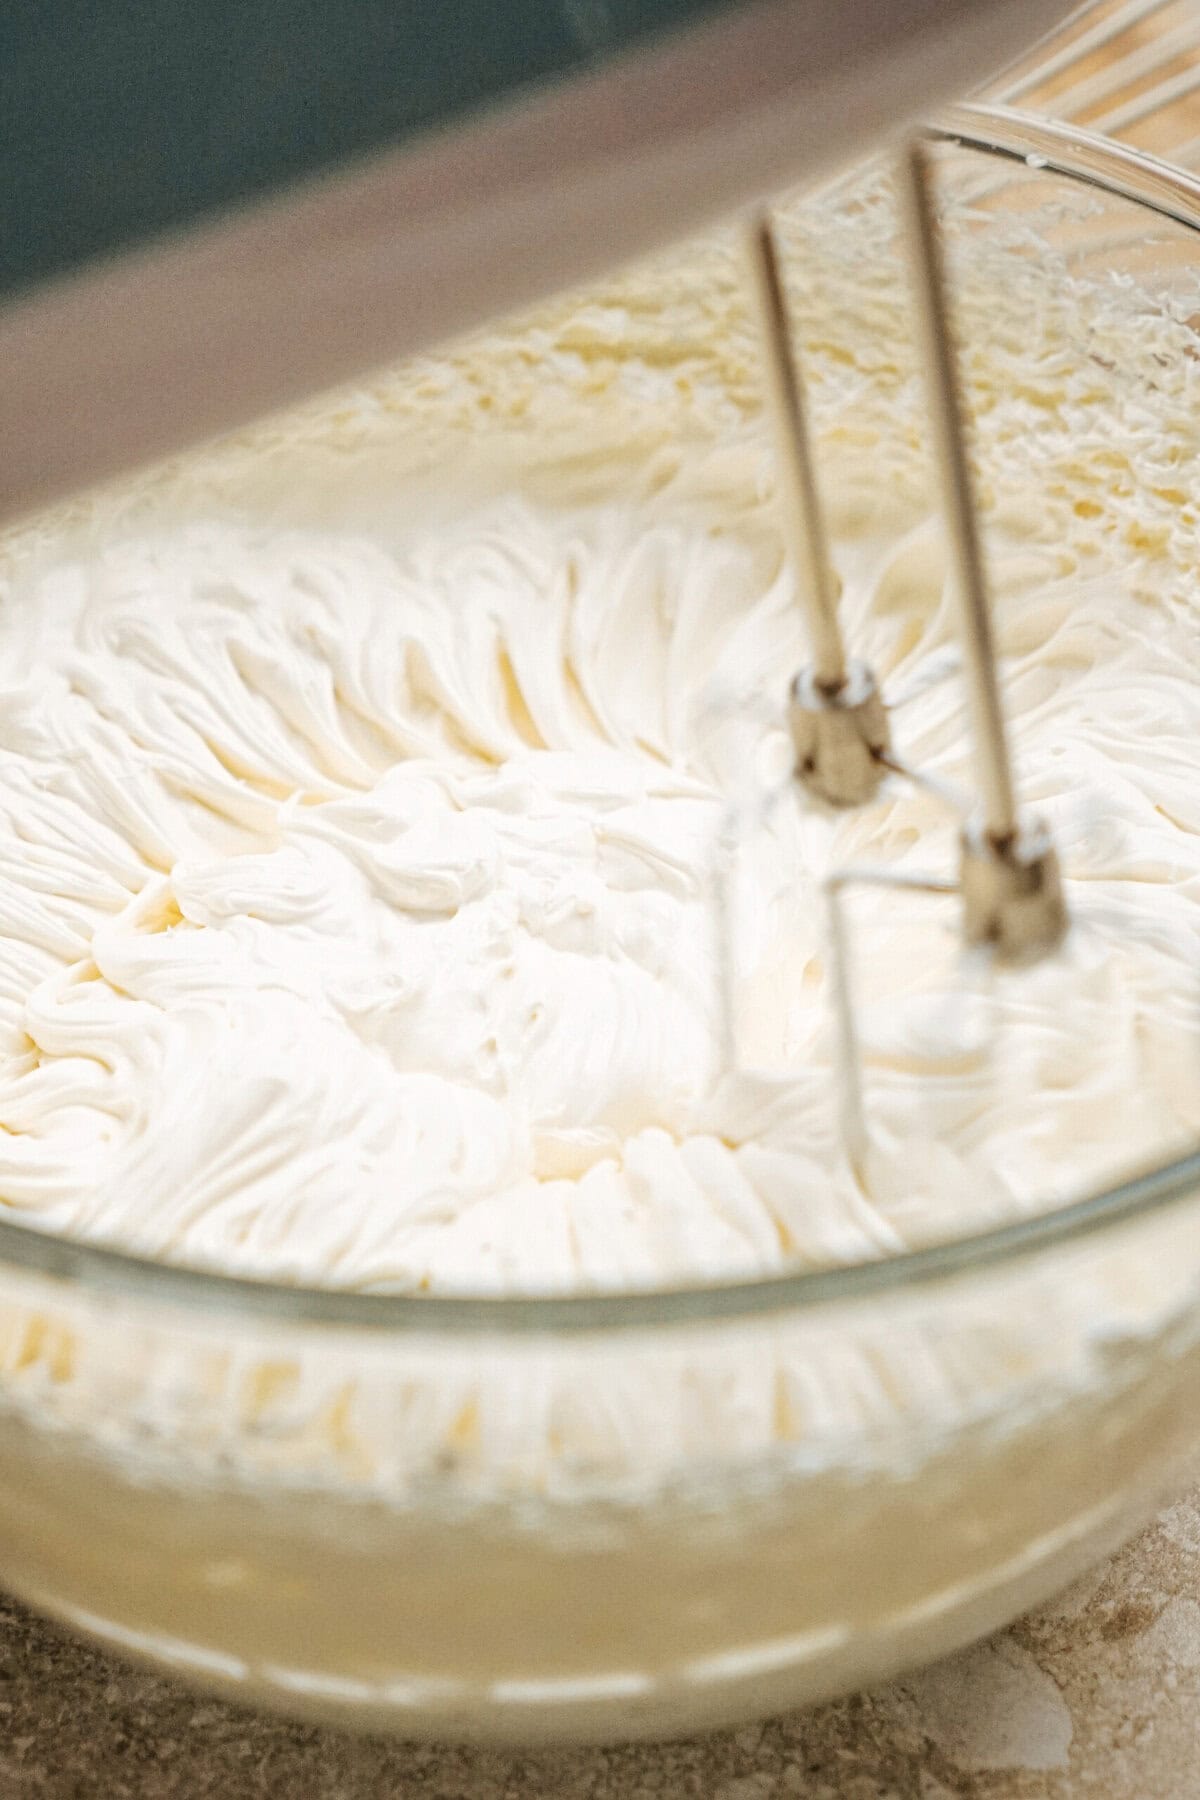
{"points": [[808, 540], [1009, 876], [835, 713]]}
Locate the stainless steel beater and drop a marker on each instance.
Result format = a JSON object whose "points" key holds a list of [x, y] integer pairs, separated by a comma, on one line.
{"points": [[1008, 876]]}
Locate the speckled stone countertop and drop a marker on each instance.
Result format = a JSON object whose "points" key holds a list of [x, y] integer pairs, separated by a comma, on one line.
{"points": [[1096, 1695]]}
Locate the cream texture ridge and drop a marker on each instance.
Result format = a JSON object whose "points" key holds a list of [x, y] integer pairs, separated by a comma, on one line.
{"points": [[366, 787]]}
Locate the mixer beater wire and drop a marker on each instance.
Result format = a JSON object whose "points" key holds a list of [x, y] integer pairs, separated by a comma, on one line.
{"points": [[1008, 877], [958, 500]]}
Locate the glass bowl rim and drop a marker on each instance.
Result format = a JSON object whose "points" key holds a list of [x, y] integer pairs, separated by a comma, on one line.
{"points": [[1080, 155]]}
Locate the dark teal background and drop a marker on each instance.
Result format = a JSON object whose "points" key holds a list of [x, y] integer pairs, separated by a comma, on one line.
{"points": [[121, 118]]}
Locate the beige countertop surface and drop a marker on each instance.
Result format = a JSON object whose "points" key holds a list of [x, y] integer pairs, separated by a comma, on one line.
{"points": [[1097, 1694]]}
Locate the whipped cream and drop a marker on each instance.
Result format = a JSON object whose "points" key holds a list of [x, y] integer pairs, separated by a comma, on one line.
{"points": [[391, 799], [370, 886]]}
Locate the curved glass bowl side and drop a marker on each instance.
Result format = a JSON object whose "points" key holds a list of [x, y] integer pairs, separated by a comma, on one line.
{"points": [[607, 1514], [604, 1535], [1034, 148]]}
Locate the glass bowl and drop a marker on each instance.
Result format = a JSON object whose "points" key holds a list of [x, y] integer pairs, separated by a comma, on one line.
{"points": [[421, 1514]]}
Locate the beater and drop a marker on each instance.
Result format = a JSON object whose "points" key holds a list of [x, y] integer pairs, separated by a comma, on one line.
{"points": [[1008, 878]]}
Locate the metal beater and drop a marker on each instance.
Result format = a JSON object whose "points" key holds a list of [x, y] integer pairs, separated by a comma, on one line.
{"points": [[1008, 876]]}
